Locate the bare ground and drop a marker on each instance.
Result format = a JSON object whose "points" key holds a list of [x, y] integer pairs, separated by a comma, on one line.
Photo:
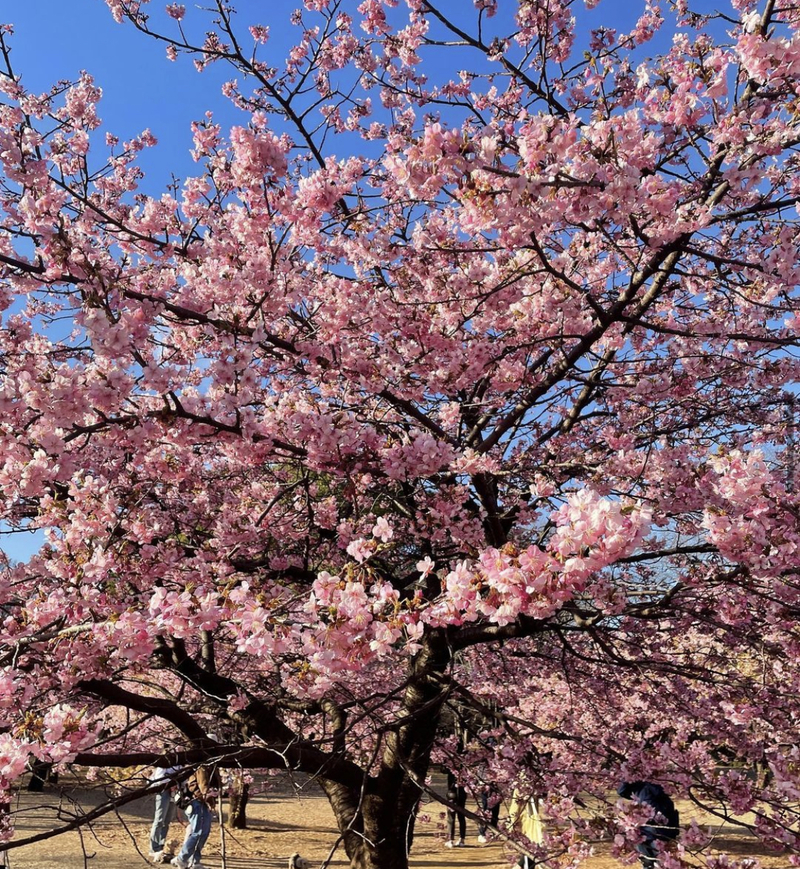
{"points": [[281, 820]]}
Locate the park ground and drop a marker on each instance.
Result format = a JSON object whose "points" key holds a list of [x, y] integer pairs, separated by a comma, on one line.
{"points": [[283, 818]]}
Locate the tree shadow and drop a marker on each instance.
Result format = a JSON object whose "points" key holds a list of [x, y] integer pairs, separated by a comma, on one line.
{"points": [[265, 825]]}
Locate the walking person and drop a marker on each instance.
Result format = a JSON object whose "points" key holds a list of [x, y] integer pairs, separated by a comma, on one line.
{"points": [[524, 818], [488, 796], [456, 794], [197, 802], [663, 826], [164, 812], [488, 806]]}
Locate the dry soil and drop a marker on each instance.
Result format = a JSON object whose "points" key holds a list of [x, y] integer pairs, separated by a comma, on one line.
{"points": [[283, 818]]}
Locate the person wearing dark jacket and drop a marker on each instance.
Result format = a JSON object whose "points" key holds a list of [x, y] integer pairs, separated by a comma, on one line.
{"points": [[456, 794], [663, 824], [488, 806]]}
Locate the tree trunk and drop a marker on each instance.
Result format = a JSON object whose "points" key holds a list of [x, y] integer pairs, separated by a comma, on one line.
{"points": [[388, 854], [377, 820], [237, 801], [375, 832]]}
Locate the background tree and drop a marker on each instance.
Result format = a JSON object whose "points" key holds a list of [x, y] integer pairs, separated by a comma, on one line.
{"points": [[493, 420]]}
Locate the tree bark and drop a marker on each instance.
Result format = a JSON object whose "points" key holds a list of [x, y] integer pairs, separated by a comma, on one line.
{"points": [[374, 832], [237, 801], [376, 821]]}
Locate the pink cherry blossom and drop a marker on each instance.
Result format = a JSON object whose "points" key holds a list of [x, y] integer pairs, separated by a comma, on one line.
{"points": [[383, 530], [457, 381]]}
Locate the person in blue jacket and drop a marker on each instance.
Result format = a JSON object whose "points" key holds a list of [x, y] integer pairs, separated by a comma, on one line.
{"points": [[662, 826]]}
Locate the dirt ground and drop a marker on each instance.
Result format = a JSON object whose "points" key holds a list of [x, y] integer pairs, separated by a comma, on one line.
{"points": [[282, 819]]}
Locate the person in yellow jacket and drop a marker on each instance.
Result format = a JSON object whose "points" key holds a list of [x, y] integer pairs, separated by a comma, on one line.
{"points": [[524, 818]]}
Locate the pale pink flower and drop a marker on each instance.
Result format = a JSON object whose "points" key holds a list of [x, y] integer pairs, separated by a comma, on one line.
{"points": [[383, 530], [425, 566], [360, 550]]}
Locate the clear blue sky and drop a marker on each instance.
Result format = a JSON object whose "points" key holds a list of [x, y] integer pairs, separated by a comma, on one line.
{"points": [[55, 39]]}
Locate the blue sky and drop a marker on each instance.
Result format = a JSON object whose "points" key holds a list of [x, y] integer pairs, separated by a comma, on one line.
{"points": [[55, 39]]}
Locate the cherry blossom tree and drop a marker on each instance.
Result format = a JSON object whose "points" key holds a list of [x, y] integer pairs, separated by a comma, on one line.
{"points": [[433, 398]]}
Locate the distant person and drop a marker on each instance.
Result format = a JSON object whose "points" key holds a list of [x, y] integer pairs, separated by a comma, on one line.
{"points": [[663, 825], [488, 805], [524, 818], [197, 802], [456, 794], [488, 796], [164, 812]]}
